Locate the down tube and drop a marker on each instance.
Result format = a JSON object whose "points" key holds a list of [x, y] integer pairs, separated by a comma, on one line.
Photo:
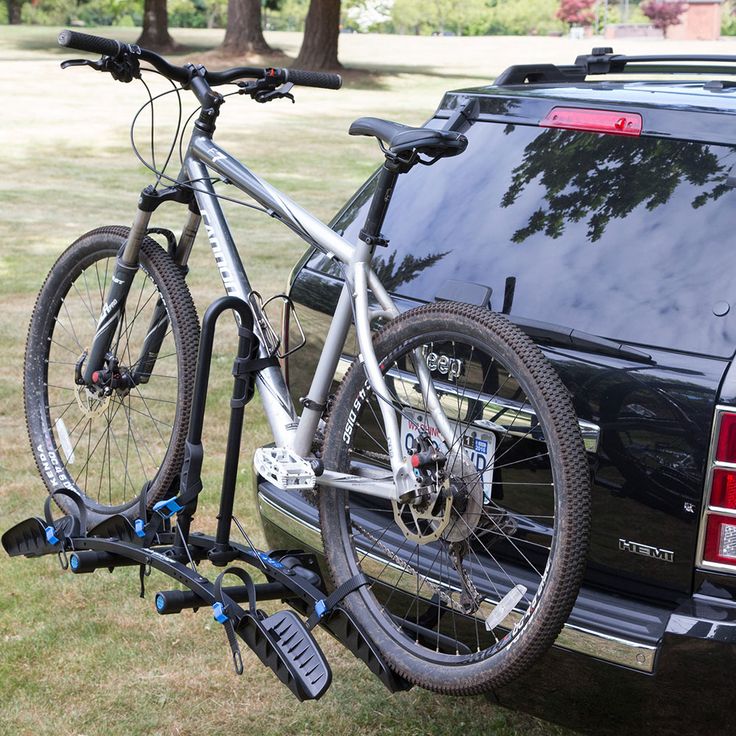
{"points": [[275, 397]]}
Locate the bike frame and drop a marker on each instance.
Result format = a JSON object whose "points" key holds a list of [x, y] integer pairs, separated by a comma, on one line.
{"points": [[290, 430]]}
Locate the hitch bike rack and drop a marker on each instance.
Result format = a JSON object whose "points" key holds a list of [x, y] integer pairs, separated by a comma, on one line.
{"points": [[282, 641]]}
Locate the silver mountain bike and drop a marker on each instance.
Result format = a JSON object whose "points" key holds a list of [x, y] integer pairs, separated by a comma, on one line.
{"points": [[448, 467]]}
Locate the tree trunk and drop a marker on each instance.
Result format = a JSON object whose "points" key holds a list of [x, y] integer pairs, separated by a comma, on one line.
{"points": [[243, 34], [13, 11], [155, 33], [321, 30]]}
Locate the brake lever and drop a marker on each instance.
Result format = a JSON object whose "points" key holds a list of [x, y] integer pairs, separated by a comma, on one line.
{"points": [[96, 65], [123, 68], [262, 91], [274, 94]]}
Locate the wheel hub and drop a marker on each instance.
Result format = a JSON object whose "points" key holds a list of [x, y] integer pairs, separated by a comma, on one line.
{"points": [[467, 489], [451, 505], [112, 377]]}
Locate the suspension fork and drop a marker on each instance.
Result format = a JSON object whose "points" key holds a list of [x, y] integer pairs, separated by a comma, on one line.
{"points": [[126, 267], [159, 324]]}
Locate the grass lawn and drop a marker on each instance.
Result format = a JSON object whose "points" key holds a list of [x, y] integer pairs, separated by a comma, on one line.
{"points": [[84, 655]]}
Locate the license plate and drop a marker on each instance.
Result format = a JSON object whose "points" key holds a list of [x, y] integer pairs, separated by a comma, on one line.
{"points": [[480, 446]]}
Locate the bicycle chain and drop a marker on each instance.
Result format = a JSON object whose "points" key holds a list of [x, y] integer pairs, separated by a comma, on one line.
{"points": [[470, 598]]}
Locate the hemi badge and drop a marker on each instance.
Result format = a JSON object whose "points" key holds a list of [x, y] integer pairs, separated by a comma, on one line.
{"points": [[666, 555]]}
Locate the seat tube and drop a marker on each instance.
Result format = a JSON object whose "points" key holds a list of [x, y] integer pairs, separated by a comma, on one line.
{"points": [[126, 267]]}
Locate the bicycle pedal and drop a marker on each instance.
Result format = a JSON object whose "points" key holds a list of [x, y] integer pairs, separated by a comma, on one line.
{"points": [[284, 468], [283, 643]]}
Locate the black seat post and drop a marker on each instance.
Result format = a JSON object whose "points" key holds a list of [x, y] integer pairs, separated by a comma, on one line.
{"points": [[371, 232]]}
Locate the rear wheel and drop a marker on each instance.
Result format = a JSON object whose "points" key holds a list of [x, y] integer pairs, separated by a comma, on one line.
{"points": [[110, 447], [471, 585]]}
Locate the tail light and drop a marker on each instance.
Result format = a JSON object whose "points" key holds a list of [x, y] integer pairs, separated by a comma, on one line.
{"points": [[726, 446], [720, 540], [613, 122], [723, 489], [718, 529]]}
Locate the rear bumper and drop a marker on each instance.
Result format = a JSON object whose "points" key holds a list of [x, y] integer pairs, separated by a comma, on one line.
{"points": [[619, 665]]}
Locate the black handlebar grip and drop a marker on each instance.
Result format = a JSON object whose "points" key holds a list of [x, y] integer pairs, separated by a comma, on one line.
{"points": [[87, 42], [313, 79]]}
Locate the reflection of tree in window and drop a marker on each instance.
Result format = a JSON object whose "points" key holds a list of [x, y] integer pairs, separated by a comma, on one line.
{"points": [[594, 178], [393, 276]]}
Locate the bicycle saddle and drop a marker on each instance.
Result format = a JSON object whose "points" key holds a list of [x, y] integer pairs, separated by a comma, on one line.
{"points": [[401, 138]]}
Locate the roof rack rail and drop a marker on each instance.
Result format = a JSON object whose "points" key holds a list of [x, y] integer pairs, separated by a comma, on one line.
{"points": [[539, 74], [603, 61]]}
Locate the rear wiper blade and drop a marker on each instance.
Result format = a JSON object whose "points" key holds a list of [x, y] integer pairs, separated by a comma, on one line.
{"points": [[568, 337]]}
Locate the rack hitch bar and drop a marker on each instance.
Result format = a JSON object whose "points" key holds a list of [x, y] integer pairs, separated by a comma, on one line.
{"points": [[281, 641]]}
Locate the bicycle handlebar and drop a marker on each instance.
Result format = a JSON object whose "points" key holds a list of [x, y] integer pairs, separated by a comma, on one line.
{"points": [[183, 74]]}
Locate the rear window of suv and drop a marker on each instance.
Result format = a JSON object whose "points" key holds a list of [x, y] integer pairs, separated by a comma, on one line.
{"points": [[626, 238]]}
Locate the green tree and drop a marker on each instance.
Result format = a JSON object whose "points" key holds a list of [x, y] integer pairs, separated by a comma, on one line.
{"points": [[407, 16], [440, 16], [476, 17], [533, 17]]}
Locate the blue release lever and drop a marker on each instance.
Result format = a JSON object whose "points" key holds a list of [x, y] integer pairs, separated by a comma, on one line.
{"points": [[51, 537], [168, 507], [220, 616], [139, 530], [320, 608]]}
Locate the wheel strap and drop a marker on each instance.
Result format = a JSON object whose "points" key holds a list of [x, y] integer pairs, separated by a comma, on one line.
{"points": [[325, 606]]}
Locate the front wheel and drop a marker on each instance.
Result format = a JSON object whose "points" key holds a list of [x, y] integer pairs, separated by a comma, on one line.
{"points": [[470, 584], [110, 446]]}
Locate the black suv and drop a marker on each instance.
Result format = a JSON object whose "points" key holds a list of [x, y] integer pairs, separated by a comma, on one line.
{"points": [[594, 211]]}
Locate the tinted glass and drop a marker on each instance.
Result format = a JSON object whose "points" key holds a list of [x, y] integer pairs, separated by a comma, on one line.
{"points": [[626, 238]]}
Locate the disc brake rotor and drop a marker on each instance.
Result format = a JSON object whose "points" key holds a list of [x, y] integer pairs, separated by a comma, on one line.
{"points": [[425, 523], [451, 513], [90, 404]]}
